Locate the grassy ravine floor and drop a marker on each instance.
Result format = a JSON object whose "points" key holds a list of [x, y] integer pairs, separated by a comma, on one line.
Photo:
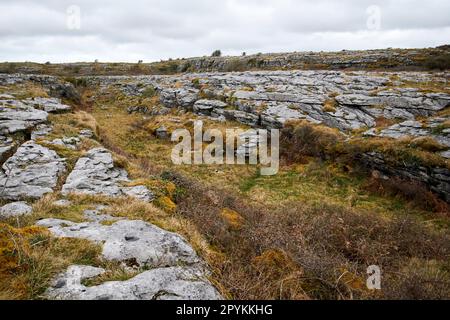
{"points": [[309, 232]]}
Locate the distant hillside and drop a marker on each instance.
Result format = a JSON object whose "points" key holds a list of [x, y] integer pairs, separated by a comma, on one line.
{"points": [[387, 59]]}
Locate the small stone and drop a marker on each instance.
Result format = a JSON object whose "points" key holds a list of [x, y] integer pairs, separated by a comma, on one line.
{"points": [[162, 133], [86, 133], [62, 203], [15, 209]]}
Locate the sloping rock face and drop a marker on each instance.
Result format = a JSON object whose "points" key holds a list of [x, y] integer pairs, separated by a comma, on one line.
{"points": [[95, 173], [175, 283], [31, 172], [436, 179]]}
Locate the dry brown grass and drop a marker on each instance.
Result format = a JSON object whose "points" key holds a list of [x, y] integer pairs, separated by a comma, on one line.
{"points": [[306, 252], [301, 139], [427, 144], [330, 105], [30, 258], [415, 193]]}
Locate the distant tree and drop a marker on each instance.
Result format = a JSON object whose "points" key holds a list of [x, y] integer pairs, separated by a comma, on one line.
{"points": [[217, 53], [140, 61], [244, 54], [47, 63]]}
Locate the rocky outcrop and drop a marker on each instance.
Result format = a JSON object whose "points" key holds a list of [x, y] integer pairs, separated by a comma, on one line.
{"points": [[206, 107], [51, 105], [436, 179], [31, 172], [352, 102], [144, 244], [95, 173], [175, 283], [176, 270], [16, 116], [270, 98]]}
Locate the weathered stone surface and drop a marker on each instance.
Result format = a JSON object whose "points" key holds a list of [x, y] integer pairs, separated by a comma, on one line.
{"points": [[437, 179], [206, 107], [16, 116], [95, 173], [30, 173], [86, 133], [147, 245], [41, 131], [139, 192], [176, 270], [174, 97], [278, 96], [51, 105], [15, 209], [176, 283], [162, 133], [67, 142], [62, 203], [97, 216]]}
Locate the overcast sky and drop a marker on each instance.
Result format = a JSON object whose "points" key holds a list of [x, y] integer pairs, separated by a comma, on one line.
{"points": [[85, 30]]}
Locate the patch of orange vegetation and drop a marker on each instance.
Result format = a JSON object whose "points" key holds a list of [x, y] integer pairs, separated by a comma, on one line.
{"points": [[232, 218], [166, 204], [14, 247]]}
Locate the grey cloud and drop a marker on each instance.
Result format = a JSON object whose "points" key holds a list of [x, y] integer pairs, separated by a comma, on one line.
{"points": [[153, 30]]}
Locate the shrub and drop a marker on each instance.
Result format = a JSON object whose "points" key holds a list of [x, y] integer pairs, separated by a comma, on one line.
{"points": [[440, 62], [414, 192], [330, 105], [296, 251], [428, 144], [302, 139], [149, 92], [217, 53]]}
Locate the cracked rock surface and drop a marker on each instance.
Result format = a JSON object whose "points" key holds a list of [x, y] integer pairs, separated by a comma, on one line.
{"points": [[16, 116], [31, 172], [146, 244], [176, 270], [175, 283], [95, 173]]}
